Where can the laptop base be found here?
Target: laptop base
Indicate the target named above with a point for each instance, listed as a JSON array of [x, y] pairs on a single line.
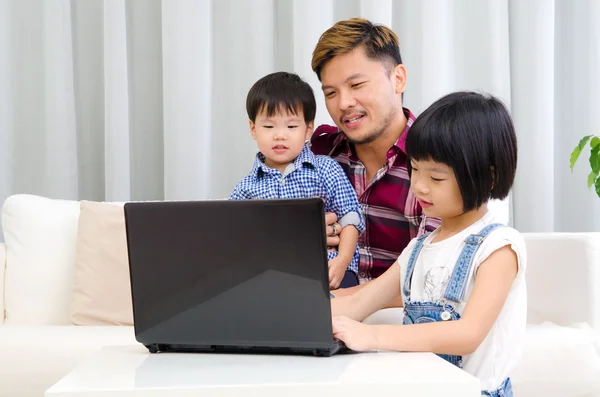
[[337, 347]]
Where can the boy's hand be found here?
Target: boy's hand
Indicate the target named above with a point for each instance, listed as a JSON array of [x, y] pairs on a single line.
[[357, 336], [337, 269]]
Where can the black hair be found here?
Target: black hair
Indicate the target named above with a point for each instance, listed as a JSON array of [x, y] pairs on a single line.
[[474, 135], [281, 91]]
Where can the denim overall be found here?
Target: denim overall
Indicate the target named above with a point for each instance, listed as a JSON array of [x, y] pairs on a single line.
[[426, 312]]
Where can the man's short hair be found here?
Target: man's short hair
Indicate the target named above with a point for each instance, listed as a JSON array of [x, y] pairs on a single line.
[[379, 42], [474, 135], [280, 92]]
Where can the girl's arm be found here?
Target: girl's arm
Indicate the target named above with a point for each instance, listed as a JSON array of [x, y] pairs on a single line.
[[461, 337], [373, 296]]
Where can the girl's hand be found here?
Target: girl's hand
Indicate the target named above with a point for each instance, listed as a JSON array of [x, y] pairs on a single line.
[[357, 336]]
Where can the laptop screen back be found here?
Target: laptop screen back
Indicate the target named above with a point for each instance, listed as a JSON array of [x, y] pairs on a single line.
[[230, 273]]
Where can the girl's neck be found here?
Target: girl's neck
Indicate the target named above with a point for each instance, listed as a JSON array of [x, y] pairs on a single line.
[[454, 225]]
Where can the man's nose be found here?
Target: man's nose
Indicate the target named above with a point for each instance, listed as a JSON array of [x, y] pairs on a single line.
[[346, 100]]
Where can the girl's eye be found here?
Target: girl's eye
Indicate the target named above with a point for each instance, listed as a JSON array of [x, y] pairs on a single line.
[[436, 179], [267, 126], [292, 126]]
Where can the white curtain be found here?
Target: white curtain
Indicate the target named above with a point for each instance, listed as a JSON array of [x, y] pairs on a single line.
[[145, 99]]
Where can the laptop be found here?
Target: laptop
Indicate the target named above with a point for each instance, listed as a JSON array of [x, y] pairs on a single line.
[[230, 276]]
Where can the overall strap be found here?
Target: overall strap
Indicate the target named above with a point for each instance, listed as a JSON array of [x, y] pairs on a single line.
[[455, 290], [411, 263]]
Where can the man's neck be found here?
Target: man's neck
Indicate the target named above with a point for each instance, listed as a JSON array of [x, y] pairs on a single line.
[[375, 153]]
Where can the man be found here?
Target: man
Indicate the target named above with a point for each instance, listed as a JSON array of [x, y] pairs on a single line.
[[363, 79]]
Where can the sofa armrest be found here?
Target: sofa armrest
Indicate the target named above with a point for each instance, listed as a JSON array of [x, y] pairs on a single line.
[[563, 278], [2, 272]]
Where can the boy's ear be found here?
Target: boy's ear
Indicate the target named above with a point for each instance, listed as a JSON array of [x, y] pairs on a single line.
[[252, 129], [310, 127]]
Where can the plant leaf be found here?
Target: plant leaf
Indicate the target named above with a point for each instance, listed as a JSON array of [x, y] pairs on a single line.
[[595, 141], [595, 159], [598, 186], [577, 151], [591, 179]]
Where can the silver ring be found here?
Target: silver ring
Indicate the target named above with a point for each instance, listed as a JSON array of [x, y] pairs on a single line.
[[334, 230]]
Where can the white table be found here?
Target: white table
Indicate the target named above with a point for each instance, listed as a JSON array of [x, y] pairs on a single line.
[[127, 371]]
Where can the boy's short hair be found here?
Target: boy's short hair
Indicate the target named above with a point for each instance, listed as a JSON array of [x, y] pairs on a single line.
[[474, 135], [379, 42], [280, 92]]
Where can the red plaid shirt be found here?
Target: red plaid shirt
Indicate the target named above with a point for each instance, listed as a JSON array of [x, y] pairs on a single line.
[[393, 215]]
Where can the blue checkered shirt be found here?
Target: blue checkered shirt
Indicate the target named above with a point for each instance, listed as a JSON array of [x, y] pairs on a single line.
[[309, 176]]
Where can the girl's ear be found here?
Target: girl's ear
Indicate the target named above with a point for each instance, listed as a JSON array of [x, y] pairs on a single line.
[[252, 129]]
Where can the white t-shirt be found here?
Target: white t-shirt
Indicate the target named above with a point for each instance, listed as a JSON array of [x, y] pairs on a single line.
[[501, 350]]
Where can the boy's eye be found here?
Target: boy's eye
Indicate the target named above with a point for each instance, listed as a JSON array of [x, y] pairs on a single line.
[[267, 126]]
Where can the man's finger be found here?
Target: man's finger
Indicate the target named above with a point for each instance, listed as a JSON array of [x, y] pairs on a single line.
[[330, 218]]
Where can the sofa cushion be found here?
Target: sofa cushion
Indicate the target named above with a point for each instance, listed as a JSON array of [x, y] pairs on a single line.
[[2, 269], [551, 289], [102, 292], [559, 361], [40, 236]]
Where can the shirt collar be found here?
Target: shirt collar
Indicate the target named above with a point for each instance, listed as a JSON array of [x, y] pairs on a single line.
[[305, 158]]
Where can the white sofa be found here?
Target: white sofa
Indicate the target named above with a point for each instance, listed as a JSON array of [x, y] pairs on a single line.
[[38, 344]]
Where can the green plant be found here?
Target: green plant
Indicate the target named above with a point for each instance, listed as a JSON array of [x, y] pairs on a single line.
[[594, 176]]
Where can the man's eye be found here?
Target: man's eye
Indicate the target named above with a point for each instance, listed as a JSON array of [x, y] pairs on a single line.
[[357, 85], [330, 94]]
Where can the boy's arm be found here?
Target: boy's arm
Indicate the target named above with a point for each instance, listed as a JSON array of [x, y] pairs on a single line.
[[341, 196], [346, 249], [348, 241]]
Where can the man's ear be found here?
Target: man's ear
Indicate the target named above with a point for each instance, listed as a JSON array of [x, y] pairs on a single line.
[[399, 76], [252, 129], [310, 128]]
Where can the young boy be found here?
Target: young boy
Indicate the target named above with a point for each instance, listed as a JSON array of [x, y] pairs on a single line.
[[281, 110]]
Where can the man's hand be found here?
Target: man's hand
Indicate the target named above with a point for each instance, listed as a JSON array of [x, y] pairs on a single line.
[[331, 225], [357, 336], [337, 269]]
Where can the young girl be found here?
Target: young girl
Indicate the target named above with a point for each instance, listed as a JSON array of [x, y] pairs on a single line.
[[463, 285]]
